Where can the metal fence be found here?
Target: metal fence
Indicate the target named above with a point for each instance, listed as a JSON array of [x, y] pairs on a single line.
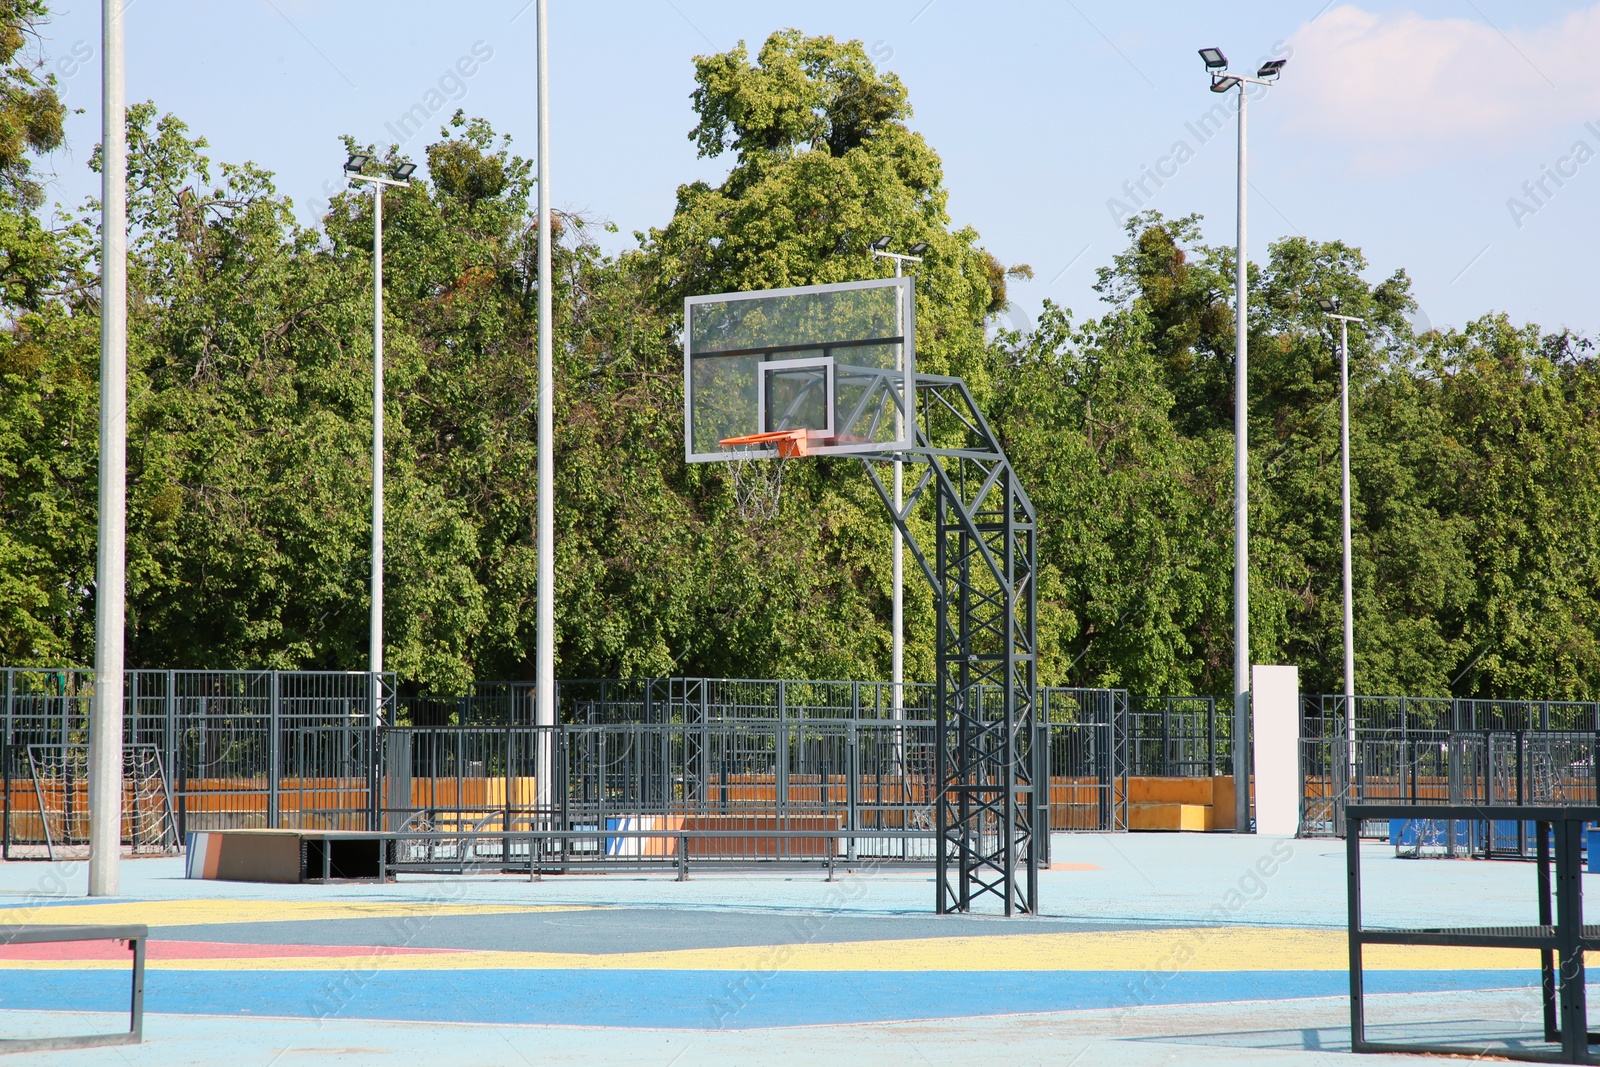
[[1179, 737], [343, 752], [236, 748], [1447, 751], [713, 756]]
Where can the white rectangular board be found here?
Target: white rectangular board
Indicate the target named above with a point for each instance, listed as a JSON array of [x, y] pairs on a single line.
[[1275, 708]]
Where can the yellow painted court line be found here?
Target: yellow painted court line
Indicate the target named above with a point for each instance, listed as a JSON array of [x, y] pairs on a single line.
[[1219, 949], [203, 912]]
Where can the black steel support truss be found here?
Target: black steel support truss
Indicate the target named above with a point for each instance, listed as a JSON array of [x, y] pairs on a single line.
[[982, 573]]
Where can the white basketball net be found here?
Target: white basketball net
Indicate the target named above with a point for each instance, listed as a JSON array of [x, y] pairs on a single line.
[[757, 483]]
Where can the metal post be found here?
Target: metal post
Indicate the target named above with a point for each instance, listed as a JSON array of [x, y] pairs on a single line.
[[375, 622], [105, 729], [274, 753], [1352, 852], [1574, 1021], [1547, 957], [1344, 493], [898, 652], [1241, 510], [545, 656]]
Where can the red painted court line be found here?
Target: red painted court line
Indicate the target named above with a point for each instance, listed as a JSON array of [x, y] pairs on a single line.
[[200, 950]]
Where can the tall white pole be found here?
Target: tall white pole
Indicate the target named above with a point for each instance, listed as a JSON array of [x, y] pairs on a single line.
[[375, 627], [1344, 493], [545, 655], [1241, 511], [897, 663], [105, 724]]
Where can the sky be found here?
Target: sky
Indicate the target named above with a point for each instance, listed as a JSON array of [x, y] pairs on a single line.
[[1459, 141]]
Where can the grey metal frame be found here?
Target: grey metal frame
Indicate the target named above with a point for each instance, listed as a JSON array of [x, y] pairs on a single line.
[[982, 576], [134, 934], [1561, 937]]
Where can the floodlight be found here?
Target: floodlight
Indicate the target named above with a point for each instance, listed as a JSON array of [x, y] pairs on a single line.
[[356, 163], [1214, 58], [881, 244], [1330, 306], [404, 171], [920, 248], [1271, 68], [1223, 84]]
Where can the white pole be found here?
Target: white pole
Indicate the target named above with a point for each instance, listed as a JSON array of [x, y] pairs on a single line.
[[898, 655], [1344, 493], [105, 725], [375, 635], [545, 655], [1241, 512]]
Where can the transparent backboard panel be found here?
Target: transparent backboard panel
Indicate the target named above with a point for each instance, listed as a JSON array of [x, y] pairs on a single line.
[[836, 360]]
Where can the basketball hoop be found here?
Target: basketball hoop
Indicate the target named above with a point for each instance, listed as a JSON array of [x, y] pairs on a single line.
[[757, 468]]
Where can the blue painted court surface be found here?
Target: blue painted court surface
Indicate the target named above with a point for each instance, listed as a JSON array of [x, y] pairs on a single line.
[[1151, 949]]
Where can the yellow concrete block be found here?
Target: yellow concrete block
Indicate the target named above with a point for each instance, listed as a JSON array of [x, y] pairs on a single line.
[[1169, 817]]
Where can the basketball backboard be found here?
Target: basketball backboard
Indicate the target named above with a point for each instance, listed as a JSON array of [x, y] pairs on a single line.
[[834, 360]]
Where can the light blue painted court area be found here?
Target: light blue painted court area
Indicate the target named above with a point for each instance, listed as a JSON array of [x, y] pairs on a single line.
[[1150, 948]]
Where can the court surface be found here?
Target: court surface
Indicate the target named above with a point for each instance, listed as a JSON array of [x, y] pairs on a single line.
[[1152, 948]]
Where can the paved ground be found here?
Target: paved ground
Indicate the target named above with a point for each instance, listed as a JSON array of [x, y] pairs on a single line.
[[1151, 949]]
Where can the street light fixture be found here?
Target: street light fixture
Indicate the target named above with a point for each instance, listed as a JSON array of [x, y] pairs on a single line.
[[897, 657], [1221, 82], [401, 175], [1330, 308]]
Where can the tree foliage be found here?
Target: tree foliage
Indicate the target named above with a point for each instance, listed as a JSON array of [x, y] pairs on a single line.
[[1477, 565]]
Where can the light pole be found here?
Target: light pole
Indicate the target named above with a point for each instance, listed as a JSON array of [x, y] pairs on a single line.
[[1330, 307], [897, 659], [111, 556], [1221, 81], [401, 175], [545, 550]]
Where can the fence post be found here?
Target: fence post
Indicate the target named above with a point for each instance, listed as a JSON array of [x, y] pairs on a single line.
[[273, 755], [181, 774], [780, 761], [1166, 734], [5, 760], [852, 785], [1211, 735], [505, 847]]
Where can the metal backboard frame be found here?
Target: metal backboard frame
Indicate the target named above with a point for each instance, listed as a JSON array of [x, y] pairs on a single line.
[[865, 341]]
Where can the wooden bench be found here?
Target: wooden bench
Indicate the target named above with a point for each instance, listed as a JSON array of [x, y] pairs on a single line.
[[135, 935]]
